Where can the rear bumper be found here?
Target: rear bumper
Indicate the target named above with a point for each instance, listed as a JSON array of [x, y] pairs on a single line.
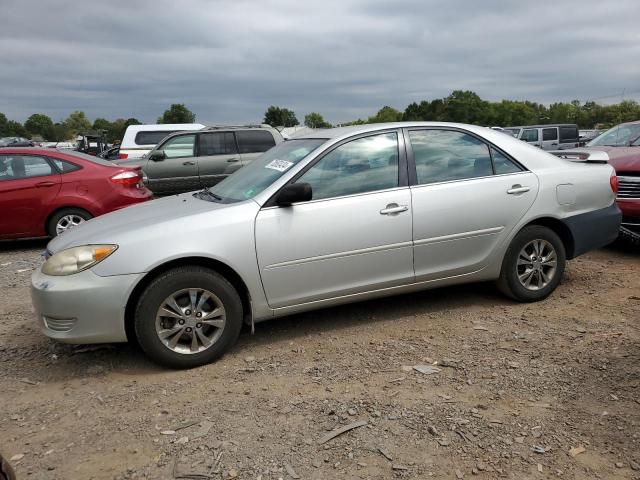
[[595, 229]]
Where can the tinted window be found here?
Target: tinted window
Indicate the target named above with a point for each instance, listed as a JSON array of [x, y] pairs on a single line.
[[569, 134], [151, 138], [363, 165], [219, 143], [443, 155], [65, 167], [550, 133], [23, 166], [529, 135], [503, 164], [180, 146], [253, 141]]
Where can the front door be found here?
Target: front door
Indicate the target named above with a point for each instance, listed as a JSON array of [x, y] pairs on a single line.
[[531, 136], [178, 170], [468, 197], [28, 185], [218, 157], [353, 236]]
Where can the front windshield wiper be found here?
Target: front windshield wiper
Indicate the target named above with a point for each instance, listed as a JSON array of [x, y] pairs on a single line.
[[209, 193]]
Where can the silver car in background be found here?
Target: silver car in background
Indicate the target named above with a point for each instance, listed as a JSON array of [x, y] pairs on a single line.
[[336, 216]]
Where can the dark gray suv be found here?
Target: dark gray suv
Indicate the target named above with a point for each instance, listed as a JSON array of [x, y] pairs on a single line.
[[190, 160]]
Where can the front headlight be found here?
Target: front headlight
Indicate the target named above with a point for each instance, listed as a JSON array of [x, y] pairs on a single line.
[[76, 259]]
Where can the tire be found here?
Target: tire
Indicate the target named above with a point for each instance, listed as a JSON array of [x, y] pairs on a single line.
[[541, 274], [218, 319], [56, 222], [629, 237]]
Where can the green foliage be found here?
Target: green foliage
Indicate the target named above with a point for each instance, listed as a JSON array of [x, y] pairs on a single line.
[[386, 114], [15, 129], [58, 132], [177, 113], [38, 124], [100, 124], [280, 117], [116, 129], [315, 120], [77, 123]]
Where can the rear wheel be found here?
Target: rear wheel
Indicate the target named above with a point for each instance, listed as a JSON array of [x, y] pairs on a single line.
[[533, 265], [65, 219], [188, 316]]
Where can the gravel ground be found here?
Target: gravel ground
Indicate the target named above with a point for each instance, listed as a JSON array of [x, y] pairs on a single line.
[[545, 390]]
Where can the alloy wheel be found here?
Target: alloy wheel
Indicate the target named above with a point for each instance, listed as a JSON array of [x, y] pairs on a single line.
[[190, 320], [536, 266], [67, 222]]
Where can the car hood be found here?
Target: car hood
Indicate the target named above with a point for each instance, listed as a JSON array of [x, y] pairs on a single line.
[[147, 216], [623, 159]]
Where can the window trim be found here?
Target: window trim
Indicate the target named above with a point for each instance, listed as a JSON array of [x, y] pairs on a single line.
[[413, 172], [403, 180], [54, 169]]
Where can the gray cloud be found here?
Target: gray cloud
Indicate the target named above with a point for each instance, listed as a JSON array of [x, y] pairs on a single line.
[[230, 59]]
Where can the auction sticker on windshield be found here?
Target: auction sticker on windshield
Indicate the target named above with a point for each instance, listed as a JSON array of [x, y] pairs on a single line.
[[279, 165]]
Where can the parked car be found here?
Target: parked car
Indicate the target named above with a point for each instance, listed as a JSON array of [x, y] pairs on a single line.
[[44, 191], [138, 140], [333, 217], [622, 144], [548, 137], [186, 161], [16, 142]]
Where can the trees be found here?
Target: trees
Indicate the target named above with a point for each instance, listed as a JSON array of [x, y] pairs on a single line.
[[77, 122], [117, 128], [315, 120], [177, 113], [39, 124], [280, 117], [386, 114]]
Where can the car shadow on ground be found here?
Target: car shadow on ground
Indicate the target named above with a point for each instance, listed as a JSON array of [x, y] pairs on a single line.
[[24, 244]]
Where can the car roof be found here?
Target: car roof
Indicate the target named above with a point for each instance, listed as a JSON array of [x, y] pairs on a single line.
[[331, 133], [545, 126]]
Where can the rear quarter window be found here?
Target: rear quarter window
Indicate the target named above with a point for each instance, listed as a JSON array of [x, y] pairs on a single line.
[[254, 141]]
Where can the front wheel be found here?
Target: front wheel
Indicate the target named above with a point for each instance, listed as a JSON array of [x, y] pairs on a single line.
[[188, 316], [65, 219], [533, 265]]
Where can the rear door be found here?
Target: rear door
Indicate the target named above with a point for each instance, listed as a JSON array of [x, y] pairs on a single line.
[[569, 136], [252, 143], [467, 197], [217, 157], [28, 186], [549, 138], [178, 171]]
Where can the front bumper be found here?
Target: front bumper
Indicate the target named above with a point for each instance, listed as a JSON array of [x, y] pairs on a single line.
[[82, 308], [594, 229]]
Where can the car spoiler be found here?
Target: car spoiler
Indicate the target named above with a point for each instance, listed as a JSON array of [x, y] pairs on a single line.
[[586, 156]]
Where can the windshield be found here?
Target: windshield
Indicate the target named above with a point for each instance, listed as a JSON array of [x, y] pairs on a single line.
[[249, 181], [620, 136], [512, 131]]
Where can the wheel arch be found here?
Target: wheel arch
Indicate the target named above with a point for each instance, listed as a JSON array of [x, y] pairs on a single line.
[[559, 228], [223, 269], [59, 209]]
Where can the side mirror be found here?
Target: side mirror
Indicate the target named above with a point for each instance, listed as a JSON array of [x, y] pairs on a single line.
[[157, 155], [293, 193]]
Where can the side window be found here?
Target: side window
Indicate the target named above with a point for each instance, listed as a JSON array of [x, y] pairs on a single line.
[[254, 141], [180, 146], [503, 164], [363, 165], [23, 166], [529, 135], [64, 166], [445, 155], [550, 133], [151, 138], [569, 134], [218, 143]]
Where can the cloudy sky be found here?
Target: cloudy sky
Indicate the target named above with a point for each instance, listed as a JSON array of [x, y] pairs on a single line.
[[229, 60]]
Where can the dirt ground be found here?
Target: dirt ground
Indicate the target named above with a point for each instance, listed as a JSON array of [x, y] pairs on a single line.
[[518, 387]]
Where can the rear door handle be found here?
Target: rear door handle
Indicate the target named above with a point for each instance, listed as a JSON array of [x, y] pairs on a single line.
[[517, 188], [189, 163], [232, 160], [45, 184], [393, 208]]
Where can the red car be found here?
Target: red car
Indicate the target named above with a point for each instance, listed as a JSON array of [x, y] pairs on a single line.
[[622, 144], [45, 191]]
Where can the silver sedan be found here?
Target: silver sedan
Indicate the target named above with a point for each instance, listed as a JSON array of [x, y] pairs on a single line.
[[333, 217]]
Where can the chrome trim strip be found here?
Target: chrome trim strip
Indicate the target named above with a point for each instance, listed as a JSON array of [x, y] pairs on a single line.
[[457, 236]]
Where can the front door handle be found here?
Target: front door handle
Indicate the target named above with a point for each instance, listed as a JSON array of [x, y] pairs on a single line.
[[517, 189], [393, 208], [45, 184], [189, 163], [232, 160]]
